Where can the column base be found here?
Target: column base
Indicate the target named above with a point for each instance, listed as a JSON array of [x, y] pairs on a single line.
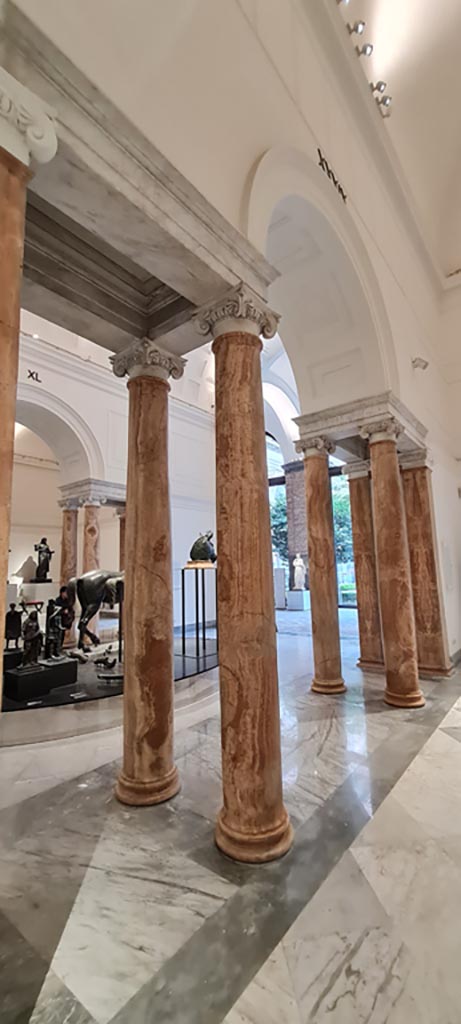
[[405, 700], [371, 666], [137, 793], [328, 685], [436, 673], [251, 847]]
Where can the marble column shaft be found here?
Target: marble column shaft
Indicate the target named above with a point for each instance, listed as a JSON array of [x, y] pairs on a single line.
[[322, 573], [429, 614], [148, 775], [69, 545], [253, 824], [394, 575], [371, 648], [122, 532], [14, 176], [91, 537]]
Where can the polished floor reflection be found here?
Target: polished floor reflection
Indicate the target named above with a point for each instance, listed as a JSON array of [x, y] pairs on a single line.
[[121, 916]]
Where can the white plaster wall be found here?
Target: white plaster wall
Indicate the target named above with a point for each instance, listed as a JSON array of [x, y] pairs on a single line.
[[447, 506]]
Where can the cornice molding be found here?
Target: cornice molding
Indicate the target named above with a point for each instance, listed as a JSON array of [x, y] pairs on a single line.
[[27, 128], [146, 359], [215, 253], [345, 421], [240, 309], [93, 492]]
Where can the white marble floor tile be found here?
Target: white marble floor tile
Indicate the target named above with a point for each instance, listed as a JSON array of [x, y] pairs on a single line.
[[137, 905], [429, 790], [269, 998]]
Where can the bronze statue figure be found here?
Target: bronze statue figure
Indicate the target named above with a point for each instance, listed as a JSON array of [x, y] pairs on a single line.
[[203, 549], [54, 635], [13, 626], [93, 589], [45, 555], [33, 639]]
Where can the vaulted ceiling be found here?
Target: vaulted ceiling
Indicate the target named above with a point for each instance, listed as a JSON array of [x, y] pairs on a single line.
[[417, 51]]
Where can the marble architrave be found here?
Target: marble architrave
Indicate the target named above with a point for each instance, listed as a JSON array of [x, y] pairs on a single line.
[[253, 824], [148, 775], [393, 566], [322, 568], [26, 132], [431, 637]]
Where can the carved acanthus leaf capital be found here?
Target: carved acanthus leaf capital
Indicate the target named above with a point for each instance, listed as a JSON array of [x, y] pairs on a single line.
[[27, 128], [242, 305], [146, 359], [387, 429], [315, 445]]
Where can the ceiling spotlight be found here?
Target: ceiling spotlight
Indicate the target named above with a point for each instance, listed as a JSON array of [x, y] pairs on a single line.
[[378, 86], [365, 51], [358, 27], [345, 2], [384, 101], [35, 337]]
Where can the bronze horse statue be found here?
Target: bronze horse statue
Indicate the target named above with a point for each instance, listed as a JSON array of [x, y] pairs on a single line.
[[93, 589]]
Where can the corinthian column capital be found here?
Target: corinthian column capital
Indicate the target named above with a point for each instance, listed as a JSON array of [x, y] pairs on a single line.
[[239, 310], [315, 446], [27, 128], [146, 359], [387, 429]]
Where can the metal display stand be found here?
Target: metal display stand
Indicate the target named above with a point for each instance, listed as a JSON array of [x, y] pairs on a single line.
[[199, 569]]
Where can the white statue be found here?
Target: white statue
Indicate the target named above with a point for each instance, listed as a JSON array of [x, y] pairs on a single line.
[[299, 573]]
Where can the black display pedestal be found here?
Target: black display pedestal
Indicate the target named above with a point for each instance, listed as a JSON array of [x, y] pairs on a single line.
[[20, 685], [200, 626], [12, 658]]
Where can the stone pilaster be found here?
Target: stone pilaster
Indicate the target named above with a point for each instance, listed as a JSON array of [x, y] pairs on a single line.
[[26, 131], [148, 775], [322, 567], [296, 514], [253, 824], [393, 566], [363, 539], [433, 659]]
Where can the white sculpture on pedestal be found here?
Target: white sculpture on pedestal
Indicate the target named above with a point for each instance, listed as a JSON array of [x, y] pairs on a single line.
[[299, 573]]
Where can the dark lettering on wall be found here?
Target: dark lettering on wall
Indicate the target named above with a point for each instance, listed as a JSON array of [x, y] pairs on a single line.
[[33, 375], [323, 163]]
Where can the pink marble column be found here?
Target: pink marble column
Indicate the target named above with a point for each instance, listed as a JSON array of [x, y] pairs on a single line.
[[431, 639], [253, 824], [322, 568], [26, 131], [393, 565], [363, 539], [149, 774], [69, 536]]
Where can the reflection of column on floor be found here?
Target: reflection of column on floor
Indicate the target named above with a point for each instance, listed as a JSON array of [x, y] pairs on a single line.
[[91, 546], [296, 515], [69, 555], [371, 648], [27, 133], [148, 775], [253, 824], [393, 566], [322, 567], [431, 638]]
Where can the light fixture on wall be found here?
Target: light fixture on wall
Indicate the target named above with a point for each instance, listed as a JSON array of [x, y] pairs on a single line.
[[345, 2], [384, 104], [364, 51], [358, 27], [378, 86]]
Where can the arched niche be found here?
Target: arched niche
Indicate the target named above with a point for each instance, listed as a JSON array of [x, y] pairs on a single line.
[[64, 431], [334, 323]]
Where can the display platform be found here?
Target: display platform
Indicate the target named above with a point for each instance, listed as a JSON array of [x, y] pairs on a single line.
[[91, 682]]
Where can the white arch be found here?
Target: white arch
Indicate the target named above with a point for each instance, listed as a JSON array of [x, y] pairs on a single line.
[[286, 171], [63, 430]]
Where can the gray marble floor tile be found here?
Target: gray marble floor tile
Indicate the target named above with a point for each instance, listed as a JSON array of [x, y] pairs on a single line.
[[22, 972]]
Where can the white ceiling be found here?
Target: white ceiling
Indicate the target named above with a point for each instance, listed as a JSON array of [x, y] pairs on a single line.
[[417, 50]]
